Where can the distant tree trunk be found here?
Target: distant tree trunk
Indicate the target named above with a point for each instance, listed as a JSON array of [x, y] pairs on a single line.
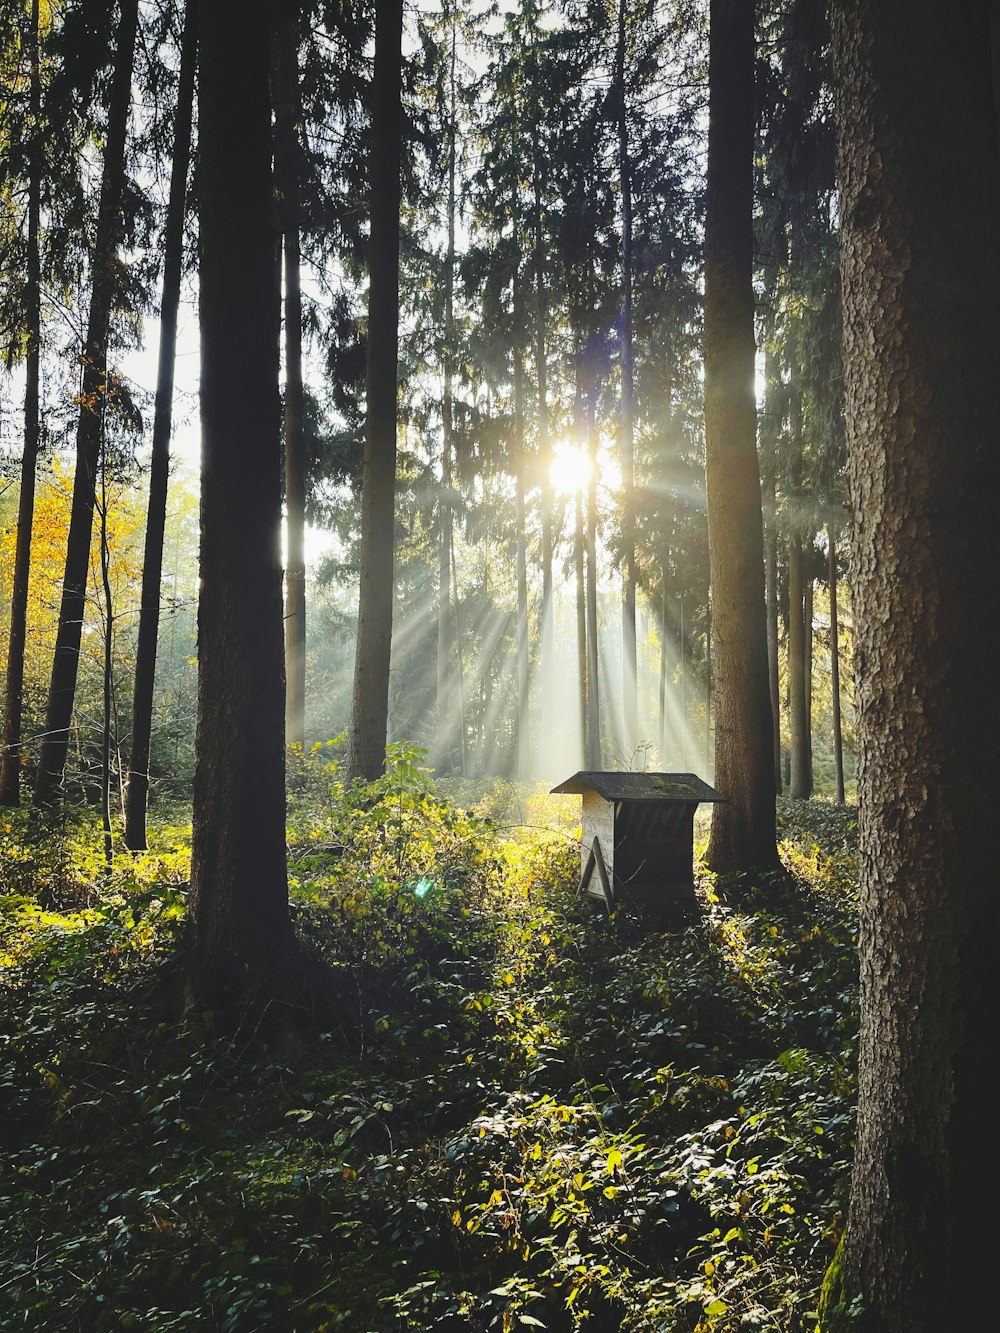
[[629, 654], [108, 677], [66, 659], [522, 561], [838, 731], [445, 728], [287, 168], [807, 633], [770, 426], [460, 672], [240, 932], [594, 757], [547, 673], [798, 727], [920, 215], [370, 707], [159, 466], [685, 661], [10, 754], [666, 747], [743, 830], [579, 544]]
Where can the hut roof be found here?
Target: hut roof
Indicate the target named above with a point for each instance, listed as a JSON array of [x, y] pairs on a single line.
[[641, 786]]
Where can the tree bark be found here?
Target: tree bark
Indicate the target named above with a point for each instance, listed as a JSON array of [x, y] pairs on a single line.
[[288, 171], [94, 388], [743, 829], [920, 213], [370, 708], [240, 932], [159, 466], [10, 754]]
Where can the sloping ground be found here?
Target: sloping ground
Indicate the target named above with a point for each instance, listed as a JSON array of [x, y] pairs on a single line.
[[509, 1112]]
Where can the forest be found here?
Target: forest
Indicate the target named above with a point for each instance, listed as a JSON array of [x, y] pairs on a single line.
[[438, 441]]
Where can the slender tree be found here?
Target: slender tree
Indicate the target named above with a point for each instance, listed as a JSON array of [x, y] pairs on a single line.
[[629, 654], [159, 465], [93, 392], [370, 707], [10, 755], [287, 167], [240, 931], [743, 829], [919, 185]]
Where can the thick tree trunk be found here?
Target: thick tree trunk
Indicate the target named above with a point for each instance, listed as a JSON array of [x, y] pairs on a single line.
[[94, 387], [10, 754], [838, 731], [808, 646], [743, 829], [370, 707], [159, 466], [630, 695], [920, 212], [240, 931], [287, 168]]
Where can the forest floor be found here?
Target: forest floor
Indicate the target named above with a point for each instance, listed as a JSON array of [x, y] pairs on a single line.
[[519, 1112]]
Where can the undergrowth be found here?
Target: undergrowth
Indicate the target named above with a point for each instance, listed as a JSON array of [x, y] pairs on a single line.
[[521, 1113]]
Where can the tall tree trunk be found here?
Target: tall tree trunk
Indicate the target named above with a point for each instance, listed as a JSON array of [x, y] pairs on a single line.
[[287, 168], [94, 386], [159, 466], [920, 213], [630, 694], [522, 561], [445, 727], [743, 829], [579, 545], [838, 731], [593, 647], [770, 428], [240, 931], [10, 754], [108, 676], [370, 706], [547, 672]]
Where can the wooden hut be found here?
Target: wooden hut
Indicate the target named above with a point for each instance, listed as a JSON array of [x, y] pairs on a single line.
[[638, 837]]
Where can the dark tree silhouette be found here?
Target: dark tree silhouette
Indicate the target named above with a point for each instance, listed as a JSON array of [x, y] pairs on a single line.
[[240, 931], [370, 707], [743, 829]]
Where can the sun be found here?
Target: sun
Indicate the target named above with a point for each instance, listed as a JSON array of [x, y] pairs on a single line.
[[569, 470]]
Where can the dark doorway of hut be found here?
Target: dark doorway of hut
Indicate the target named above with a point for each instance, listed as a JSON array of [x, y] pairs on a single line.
[[638, 841]]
